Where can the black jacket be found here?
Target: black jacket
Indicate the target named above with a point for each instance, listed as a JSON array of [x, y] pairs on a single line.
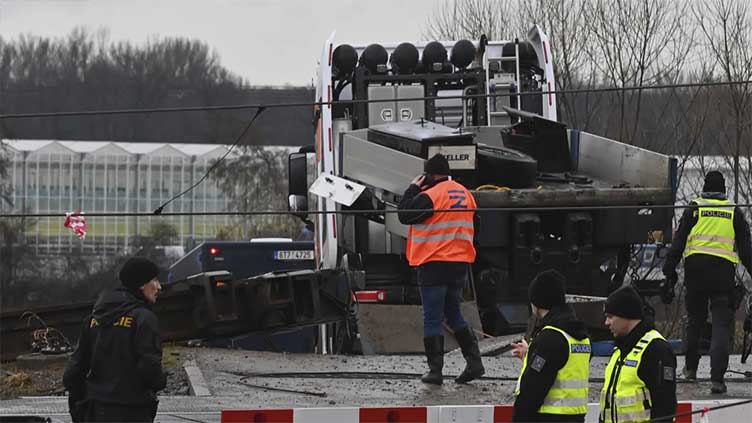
[[657, 369], [432, 273], [119, 355], [719, 271], [549, 346]]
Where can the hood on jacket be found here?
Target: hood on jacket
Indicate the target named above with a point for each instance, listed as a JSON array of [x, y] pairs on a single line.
[[714, 195], [113, 304], [564, 318]]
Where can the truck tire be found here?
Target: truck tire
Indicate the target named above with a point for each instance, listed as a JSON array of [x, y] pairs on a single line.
[[504, 167]]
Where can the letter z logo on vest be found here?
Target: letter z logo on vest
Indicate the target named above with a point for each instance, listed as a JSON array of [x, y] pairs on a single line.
[[458, 199]]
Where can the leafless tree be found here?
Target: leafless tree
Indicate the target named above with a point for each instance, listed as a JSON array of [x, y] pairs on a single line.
[[457, 19], [636, 43], [254, 180], [726, 26]]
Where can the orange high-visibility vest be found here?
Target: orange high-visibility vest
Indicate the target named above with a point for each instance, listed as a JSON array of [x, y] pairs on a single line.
[[445, 236]]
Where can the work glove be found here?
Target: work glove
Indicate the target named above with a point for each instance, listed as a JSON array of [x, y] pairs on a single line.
[[667, 288]]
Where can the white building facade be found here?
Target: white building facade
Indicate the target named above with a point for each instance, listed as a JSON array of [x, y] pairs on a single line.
[[49, 176]]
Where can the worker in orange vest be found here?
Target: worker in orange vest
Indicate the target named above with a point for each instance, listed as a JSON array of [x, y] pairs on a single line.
[[440, 247]]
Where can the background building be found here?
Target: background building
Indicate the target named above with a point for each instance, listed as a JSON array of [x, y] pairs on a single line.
[[55, 177]]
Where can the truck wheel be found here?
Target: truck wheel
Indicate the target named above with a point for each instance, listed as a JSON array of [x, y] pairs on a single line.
[[504, 167]]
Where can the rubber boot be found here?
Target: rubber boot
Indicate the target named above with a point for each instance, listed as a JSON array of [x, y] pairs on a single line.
[[434, 346], [469, 345], [690, 375], [718, 387]]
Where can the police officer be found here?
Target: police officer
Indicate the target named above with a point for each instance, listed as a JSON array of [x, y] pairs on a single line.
[[117, 367], [640, 379], [553, 383], [713, 237], [440, 246]]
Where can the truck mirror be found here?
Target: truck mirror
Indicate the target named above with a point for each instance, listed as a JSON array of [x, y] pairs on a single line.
[[298, 174], [297, 203], [297, 182]]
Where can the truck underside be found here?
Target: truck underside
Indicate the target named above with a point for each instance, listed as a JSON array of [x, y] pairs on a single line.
[[581, 222]]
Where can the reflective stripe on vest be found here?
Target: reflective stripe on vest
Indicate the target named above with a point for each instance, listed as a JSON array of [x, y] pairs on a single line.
[[625, 397], [445, 236], [569, 393], [713, 234], [444, 225]]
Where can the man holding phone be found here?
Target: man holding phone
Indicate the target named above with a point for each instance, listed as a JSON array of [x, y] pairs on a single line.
[[440, 247]]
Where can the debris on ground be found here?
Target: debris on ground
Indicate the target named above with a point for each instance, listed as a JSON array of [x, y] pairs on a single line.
[[17, 382], [172, 363]]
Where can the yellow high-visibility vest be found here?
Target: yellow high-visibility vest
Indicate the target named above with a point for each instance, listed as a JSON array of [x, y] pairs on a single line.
[[713, 233], [569, 393], [625, 397]]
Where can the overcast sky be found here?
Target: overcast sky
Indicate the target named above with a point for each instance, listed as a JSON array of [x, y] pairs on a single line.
[[267, 42]]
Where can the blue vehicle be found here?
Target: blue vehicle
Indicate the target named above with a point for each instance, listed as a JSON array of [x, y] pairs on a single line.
[[243, 259], [261, 294]]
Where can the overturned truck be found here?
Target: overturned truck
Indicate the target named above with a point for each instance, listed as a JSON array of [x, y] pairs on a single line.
[[548, 196]]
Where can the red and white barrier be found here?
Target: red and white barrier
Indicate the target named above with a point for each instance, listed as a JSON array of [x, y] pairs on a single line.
[[455, 413], [431, 414]]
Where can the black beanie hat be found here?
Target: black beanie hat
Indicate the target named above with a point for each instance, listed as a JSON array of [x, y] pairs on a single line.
[[625, 302], [714, 182], [547, 289], [437, 165], [137, 271]]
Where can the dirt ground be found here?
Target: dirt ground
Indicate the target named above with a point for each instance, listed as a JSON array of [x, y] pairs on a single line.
[[16, 382]]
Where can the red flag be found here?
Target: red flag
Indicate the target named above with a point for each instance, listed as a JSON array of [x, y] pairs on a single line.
[[76, 222]]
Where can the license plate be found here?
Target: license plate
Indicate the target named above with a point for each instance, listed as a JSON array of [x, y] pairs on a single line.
[[293, 255]]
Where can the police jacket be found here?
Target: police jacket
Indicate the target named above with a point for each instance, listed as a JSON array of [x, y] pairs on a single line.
[[547, 354], [434, 272], [719, 270], [656, 368], [119, 354]]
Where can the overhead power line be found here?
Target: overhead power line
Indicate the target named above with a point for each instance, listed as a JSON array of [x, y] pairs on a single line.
[[260, 110], [367, 212], [345, 102]]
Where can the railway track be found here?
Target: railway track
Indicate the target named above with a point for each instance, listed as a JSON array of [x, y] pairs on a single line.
[[207, 307]]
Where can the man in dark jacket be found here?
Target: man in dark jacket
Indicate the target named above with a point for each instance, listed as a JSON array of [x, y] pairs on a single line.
[[117, 367], [713, 237], [440, 247], [640, 379], [553, 384]]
